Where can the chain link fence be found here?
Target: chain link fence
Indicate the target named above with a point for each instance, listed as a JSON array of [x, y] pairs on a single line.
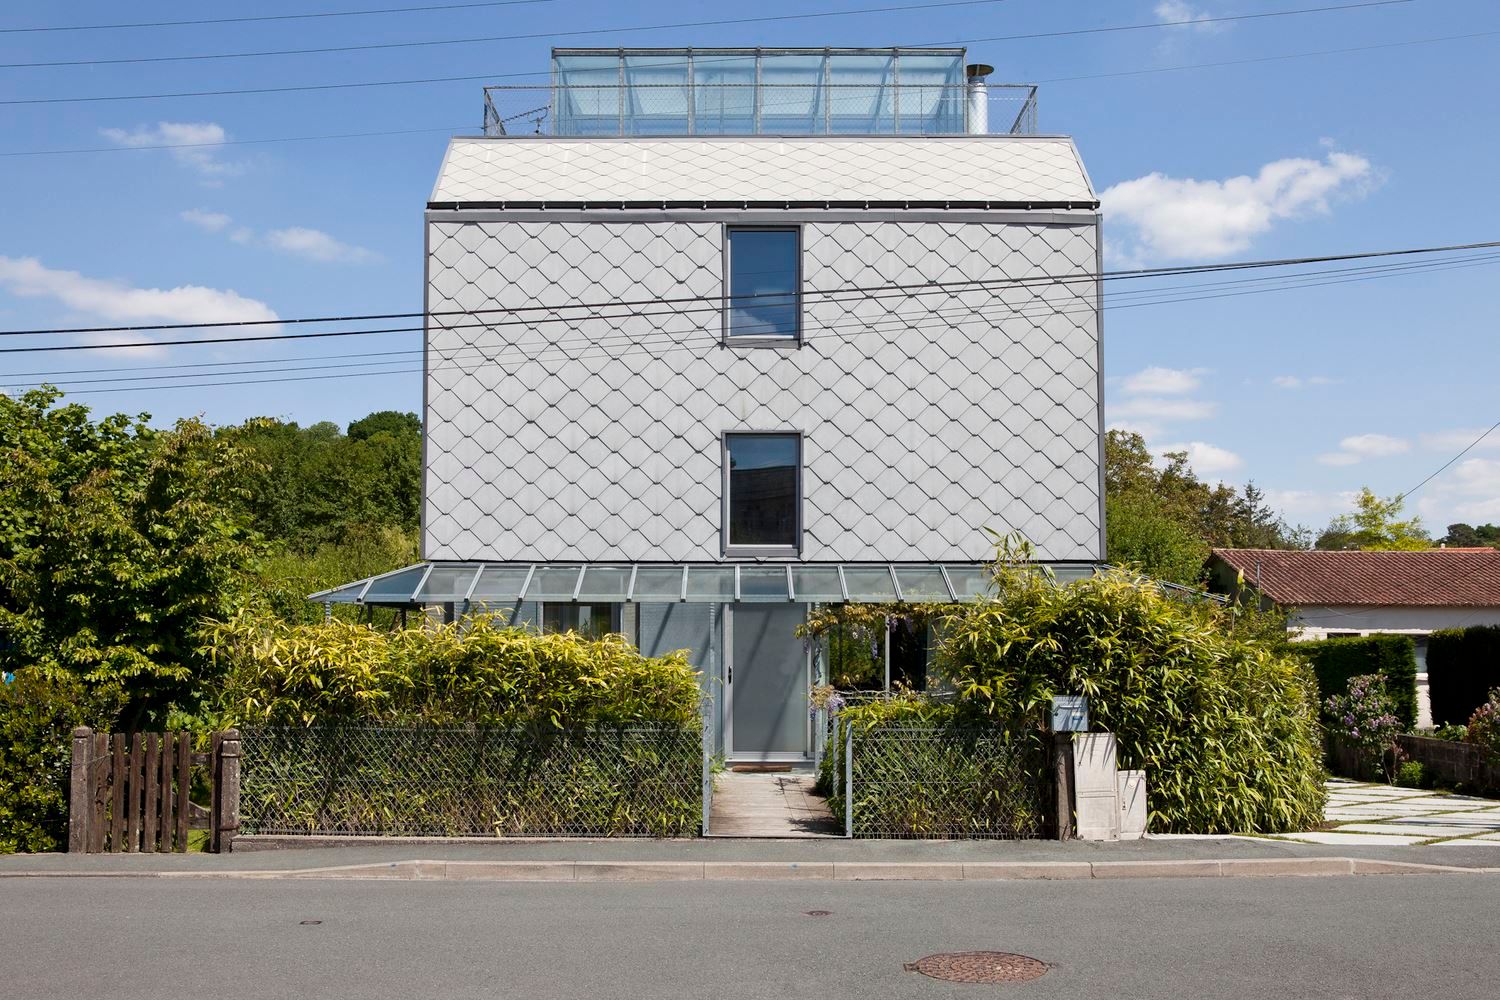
[[919, 781], [629, 781]]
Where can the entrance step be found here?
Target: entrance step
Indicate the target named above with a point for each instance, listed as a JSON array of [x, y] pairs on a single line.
[[761, 804]]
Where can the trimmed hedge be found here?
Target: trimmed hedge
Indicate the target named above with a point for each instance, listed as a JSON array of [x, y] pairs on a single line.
[[1334, 661], [1463, 666]]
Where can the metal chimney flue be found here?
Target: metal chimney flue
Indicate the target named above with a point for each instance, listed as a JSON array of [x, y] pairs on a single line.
[[978, 117]]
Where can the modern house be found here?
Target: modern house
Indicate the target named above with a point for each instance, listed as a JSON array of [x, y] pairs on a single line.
[[717, 335]]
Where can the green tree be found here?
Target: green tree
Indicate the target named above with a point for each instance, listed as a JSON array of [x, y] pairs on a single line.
[[1161, 546], [116, 541], [393, 422], [1375, 523], [1466, 536]]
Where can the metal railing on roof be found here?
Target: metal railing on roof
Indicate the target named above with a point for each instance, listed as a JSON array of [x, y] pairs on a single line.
[[630, 110]]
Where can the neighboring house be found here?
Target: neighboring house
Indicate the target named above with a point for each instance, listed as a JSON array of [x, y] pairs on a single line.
[[747, 331]]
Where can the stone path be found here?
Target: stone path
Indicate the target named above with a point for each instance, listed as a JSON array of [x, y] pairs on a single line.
[[769, 805], [1360, 813]]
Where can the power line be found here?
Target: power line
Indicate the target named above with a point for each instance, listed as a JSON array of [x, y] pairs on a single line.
[[927, 287], [271, 17], [495, 76], [594, 346], [486, 39], [1467, 448]]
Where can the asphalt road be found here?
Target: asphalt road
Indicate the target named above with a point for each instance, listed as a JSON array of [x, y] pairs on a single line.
[[1364, 937]]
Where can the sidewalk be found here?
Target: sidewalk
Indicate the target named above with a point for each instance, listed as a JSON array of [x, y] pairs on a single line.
[[1361, 813]]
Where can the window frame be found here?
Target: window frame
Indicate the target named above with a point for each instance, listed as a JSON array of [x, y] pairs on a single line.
[[732, 550], [728, 338]]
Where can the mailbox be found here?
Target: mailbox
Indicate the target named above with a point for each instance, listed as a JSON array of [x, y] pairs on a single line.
[[1070, 714]]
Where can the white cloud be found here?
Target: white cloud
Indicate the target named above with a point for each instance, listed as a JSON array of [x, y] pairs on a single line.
[[1160, 408], [1301, 381], [1176, 11], [1469, 492], [1185, 218], [197, 145], [1458, 440], [314, 244], [1165, 381], [116, 301], [1206, 459], [209, 221], [1359, 447], [1145, 428]]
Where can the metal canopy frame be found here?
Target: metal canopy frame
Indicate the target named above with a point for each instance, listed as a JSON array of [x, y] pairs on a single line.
[[716, 583]]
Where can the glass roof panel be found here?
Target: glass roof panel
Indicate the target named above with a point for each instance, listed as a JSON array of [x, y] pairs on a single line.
[[447, 582], [658, 583], [500, 584], [605, 583], [970, 582], [553, 583], [817, 583], [869, 584], [710, 583], [1068, 572], [763, 583], [922, 584], [396, 588]]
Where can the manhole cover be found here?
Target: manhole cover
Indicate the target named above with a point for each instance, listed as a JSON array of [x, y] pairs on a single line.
[[978, 967]]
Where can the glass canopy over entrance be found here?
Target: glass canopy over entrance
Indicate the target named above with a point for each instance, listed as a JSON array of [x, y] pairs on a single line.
[[480, 583]]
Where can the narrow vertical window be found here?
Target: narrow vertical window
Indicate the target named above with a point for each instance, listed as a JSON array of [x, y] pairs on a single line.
[[764, 495], [764, 275]]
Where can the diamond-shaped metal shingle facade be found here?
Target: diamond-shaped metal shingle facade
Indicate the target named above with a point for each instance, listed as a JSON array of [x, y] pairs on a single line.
[[926, 418], [1004, 169]]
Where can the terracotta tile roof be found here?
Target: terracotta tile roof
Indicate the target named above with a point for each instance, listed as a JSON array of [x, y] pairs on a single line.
[[1431, 577]]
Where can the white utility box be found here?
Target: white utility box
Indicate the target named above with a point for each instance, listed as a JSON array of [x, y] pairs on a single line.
[[1132, 804], [1096, 786]]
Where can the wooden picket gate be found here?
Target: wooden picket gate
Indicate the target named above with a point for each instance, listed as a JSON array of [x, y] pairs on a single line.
[[132, 792]]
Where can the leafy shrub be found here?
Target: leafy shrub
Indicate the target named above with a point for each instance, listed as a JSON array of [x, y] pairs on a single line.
[[1463, 665], [37, 718], [1484, 727], [1336, 661], [1411, 774], [1226, 728], [1364, 716], [477, 671], [1452, 732]]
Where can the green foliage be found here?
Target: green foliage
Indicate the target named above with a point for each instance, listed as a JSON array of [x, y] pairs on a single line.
[[1226, 728], [1364, 718], [477, 671], [1463, 665], [1467, 536], [37, 716], [1375, 524], [1484, 727], [1143, 535], [115, 540], [314, 486], [284, 578], [1337, 661], [1411, 774]]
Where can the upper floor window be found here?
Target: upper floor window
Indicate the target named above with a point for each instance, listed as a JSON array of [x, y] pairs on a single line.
[[763, 493], [763, 275]]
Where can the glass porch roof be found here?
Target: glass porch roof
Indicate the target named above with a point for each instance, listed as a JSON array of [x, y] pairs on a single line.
[[652, 583]]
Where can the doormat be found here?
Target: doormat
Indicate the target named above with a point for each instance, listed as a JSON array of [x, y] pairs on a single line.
[[760, 768]]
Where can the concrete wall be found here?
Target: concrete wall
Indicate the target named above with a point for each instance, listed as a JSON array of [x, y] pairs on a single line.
[[1315, 622], [925, 418]]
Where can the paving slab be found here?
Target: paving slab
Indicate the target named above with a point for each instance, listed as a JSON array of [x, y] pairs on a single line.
[[1333, 837]]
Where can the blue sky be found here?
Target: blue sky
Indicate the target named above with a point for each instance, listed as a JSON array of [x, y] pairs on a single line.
[[1310, 392]]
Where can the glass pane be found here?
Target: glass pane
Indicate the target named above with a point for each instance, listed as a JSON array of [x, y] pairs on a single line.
[[656, 583], [656, 98], [724, 95], [592, 621], [970, 582], [869, 584], [861, 97], [763, 489], [587, 99], [931, 96], [500, 584], [763, 583], [447, 582], [711, 583], [763, 278], [396, 588], [791, 94], [817, 583], [553, 583], [605, 583], [1067, 573], [922, 583]]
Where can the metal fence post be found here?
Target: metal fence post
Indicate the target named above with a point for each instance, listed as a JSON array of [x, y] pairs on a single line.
[[849, 780], [707, 791], [78, 791]]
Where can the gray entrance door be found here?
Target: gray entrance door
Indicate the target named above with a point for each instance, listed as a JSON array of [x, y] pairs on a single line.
[[768, 717]]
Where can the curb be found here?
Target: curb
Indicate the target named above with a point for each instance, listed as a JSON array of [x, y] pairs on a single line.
[[771, 871]]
